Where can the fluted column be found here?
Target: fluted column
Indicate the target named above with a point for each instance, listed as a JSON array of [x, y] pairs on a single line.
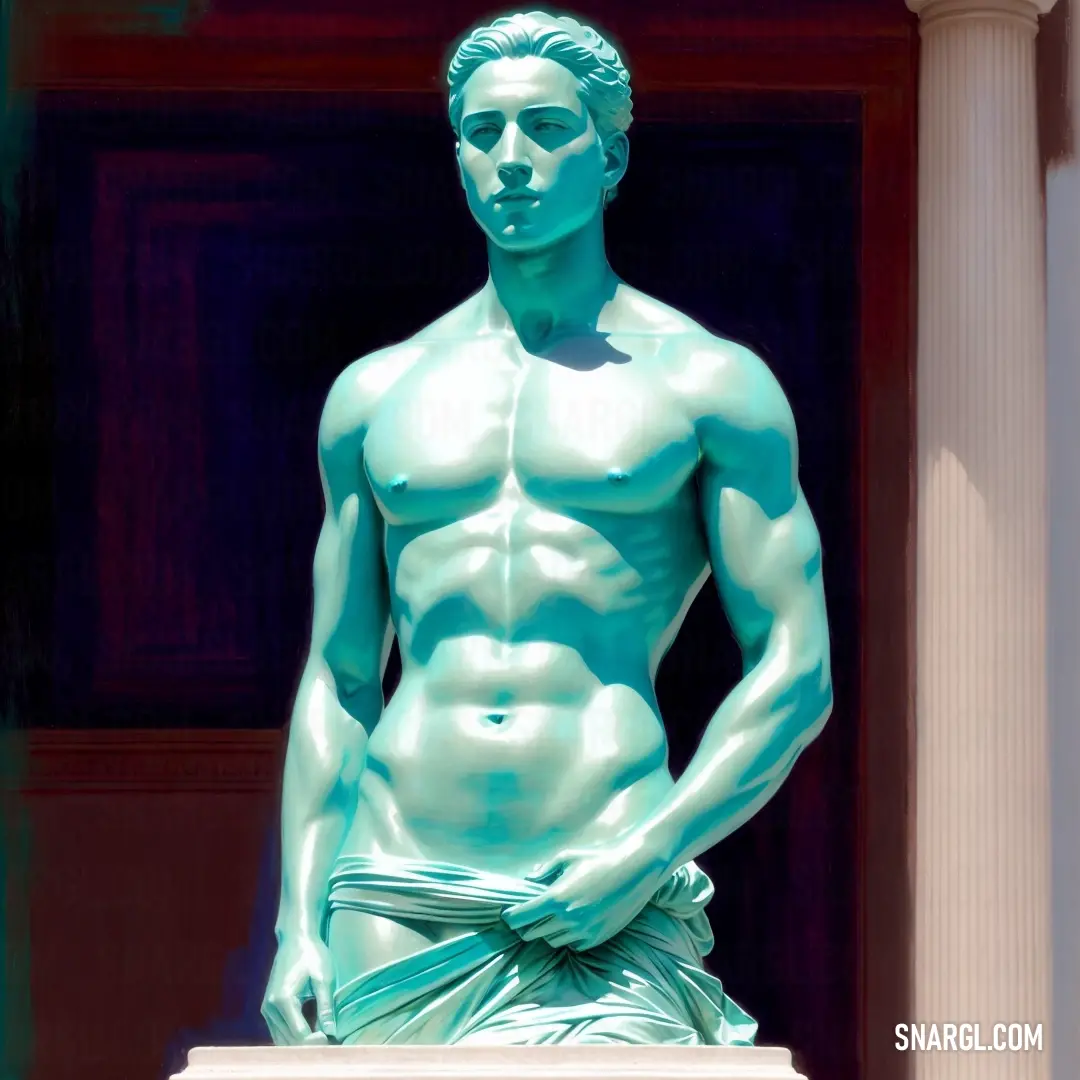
[[981, 859]]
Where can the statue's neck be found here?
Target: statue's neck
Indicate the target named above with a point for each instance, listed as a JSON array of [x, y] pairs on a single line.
[[545, 294]]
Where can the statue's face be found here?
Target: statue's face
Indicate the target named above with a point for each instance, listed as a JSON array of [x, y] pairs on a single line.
[[533, 167]]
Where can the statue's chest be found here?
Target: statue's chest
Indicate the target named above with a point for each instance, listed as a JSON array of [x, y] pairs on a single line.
[[455, 432]]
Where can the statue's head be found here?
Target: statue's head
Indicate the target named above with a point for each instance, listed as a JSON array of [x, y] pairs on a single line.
[[540, 106]]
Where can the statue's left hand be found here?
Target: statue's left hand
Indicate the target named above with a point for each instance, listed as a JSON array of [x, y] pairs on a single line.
[[303, 970], [594, 893]]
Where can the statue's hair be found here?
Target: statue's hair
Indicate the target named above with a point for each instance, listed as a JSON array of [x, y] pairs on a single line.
[[603, 80]]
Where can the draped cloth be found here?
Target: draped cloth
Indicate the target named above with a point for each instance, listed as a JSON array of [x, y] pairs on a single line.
[[485, 985]]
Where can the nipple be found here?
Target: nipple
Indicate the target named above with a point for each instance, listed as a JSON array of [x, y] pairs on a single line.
[[618, 476], [399, 483]]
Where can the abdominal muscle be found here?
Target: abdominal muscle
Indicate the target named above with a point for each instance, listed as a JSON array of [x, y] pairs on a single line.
[[497, 780], [501, 776]]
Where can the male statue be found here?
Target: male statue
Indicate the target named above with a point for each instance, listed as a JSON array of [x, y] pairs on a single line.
[[529, 493]]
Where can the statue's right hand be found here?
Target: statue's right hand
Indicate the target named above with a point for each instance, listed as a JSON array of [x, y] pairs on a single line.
[[303, 970]]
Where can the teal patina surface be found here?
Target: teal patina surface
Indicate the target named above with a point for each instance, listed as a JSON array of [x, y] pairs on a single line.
[[529, 493]]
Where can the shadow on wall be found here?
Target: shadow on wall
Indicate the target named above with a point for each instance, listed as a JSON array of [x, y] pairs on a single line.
[[1059, 92], [1056, 135]]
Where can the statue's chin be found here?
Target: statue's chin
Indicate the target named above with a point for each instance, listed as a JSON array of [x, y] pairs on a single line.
[[520, 237], [512, 239]]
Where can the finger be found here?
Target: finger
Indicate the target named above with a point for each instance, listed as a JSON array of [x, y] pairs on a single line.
[[543, 929], [316, 1038], [279, 1032], [324, 1005], [288, 1014], [529, 911], [276, 1033], [549, 871]]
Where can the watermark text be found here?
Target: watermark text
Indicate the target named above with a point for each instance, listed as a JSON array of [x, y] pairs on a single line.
[[999, 1038]]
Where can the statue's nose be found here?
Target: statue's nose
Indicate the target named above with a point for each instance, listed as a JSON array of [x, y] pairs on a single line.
[[514, 174]]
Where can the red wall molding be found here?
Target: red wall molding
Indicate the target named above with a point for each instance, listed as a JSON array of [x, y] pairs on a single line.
[[848, 45], [162, 762]]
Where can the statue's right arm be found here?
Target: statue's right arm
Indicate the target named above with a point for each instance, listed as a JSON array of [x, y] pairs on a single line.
[[338, 702]]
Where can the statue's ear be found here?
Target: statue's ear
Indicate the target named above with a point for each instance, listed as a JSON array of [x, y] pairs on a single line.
[[457, 161], [616, 158]]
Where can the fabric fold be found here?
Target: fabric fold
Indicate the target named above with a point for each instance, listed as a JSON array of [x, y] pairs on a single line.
[[486, 985]]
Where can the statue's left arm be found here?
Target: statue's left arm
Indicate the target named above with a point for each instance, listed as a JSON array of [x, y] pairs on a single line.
[[766, 560]]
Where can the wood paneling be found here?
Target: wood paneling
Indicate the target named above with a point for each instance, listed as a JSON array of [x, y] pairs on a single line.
[[886, 499], [164, 632]]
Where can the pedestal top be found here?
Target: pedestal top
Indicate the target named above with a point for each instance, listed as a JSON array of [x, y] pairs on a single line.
[[489, 1063]]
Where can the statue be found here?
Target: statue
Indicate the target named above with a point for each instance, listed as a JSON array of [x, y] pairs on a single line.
[[530, 492]]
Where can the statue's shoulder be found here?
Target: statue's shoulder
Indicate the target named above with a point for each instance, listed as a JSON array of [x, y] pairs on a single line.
[[637, 312], [718, 379], [708, 367], [357, 391], [712, 375]]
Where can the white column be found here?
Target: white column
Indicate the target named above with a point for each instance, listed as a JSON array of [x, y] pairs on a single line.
[[980, 793]]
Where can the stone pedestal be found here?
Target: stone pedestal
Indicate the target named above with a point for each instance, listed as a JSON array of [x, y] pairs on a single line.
[[489, 1063]]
